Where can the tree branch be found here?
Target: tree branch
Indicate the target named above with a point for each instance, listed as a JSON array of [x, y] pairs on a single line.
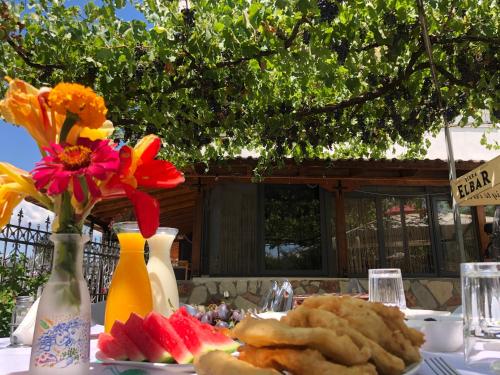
[[224, 64], [295, 31], [367, 96], [26, 59], [465, 38], [287, 44]]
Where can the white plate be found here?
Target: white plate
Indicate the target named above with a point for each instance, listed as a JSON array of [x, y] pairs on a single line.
[[169, 367], [421, 314], [412, 369], [271, 315]]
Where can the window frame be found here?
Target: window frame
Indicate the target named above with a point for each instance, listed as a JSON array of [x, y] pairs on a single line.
[[377, 193], [325, 262]]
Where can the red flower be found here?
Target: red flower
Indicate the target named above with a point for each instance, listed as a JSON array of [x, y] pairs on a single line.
[[67, 165], [139, 168]]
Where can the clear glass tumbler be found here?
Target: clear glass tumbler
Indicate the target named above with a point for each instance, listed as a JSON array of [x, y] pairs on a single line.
[[386, 285], [481, 308]]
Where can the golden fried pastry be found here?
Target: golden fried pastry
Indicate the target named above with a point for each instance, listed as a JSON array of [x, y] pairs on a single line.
[[362, 317], [394, 318], [300, 362], [269, 332], [221, 363], [303, 316]]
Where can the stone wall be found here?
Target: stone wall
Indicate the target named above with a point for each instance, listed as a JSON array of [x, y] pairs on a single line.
[[432, 293]]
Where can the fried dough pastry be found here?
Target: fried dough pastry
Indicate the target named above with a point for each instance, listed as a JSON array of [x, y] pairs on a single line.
[[394, 318], [386, 363], [221, 363], [269, 332], [362, 317], [300, 362]]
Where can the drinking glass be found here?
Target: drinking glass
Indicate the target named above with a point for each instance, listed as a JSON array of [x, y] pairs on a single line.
[[386, 285], [481, 307]]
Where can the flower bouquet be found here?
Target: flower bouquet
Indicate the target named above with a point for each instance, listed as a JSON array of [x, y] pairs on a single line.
[[80, 166]]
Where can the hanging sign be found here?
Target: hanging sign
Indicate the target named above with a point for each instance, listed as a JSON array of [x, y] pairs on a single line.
[[479, 187]]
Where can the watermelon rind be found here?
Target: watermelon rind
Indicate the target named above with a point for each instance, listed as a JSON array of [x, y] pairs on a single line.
[[217, 340], [160, 329], [206, 338], [154, 352], [133, 352], [110, 347], [190, 334]]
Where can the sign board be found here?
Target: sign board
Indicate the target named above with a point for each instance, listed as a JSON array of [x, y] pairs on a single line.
[[479, 187]]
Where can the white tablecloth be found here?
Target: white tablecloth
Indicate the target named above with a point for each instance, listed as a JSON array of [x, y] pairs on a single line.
[[15, 361]]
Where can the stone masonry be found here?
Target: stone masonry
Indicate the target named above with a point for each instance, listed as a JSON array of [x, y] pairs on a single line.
[[434, 294]]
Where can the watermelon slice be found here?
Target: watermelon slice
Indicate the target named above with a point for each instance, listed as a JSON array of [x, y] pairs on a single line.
[[160, 329], [190, 334], [211, 335], [133, 352], [111, 347], [134, 329], [218, 340]]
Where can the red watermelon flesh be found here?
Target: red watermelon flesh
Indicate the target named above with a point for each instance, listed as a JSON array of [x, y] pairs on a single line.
[[218, 340], [133, 352], [211, 335], [134, 328], [111, 347], [190, 334], [160, 329]]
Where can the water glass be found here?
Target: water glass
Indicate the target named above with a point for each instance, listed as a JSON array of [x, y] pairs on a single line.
[[386, 285], [23, 304], [481, 308]]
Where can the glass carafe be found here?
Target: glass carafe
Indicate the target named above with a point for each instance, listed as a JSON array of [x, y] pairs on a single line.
[[130, 289], [161, 272]]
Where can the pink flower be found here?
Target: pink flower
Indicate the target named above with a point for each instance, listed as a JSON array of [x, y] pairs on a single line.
[[73, 165]]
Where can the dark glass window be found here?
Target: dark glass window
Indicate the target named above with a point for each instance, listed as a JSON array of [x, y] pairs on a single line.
[[292, 228]]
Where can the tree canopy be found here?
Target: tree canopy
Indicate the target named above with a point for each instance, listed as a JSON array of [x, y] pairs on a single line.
[[286, 78]]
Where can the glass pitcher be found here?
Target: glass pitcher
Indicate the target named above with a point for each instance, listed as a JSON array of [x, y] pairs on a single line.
[[130, 289]]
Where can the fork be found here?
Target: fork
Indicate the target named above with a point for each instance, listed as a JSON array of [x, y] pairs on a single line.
[[439, 366]]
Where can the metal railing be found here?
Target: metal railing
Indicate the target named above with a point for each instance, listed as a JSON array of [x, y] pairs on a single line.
[[30, 244]]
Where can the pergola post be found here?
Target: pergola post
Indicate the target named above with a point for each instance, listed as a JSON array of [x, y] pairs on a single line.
[[449, 145]]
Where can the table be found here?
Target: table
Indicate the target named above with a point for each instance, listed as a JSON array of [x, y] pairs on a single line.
[[15, 361]]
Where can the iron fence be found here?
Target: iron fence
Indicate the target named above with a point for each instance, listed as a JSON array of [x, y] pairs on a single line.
[[30, 244]]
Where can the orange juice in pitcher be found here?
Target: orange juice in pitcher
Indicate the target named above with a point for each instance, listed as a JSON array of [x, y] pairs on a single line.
[[130, 289]]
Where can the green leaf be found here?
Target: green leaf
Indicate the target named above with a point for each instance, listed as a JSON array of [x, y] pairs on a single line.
[[218, 26], [253, 11]]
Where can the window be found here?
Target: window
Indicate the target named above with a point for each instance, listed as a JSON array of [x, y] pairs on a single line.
[[407, 238], [361, 234], [292, 228], [448, 247]]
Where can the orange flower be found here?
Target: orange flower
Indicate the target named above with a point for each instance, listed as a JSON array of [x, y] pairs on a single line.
[[80, 100], [24, 105]]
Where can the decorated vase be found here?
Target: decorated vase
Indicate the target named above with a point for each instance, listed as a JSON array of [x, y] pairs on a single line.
[[61, 342]]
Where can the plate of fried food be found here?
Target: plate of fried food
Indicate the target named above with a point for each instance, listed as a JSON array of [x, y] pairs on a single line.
[[325, 335]]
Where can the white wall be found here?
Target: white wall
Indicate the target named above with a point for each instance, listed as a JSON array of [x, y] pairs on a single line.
[[466, 144]]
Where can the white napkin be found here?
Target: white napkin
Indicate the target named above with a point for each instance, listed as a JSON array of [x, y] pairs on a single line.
[[25, 331]]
